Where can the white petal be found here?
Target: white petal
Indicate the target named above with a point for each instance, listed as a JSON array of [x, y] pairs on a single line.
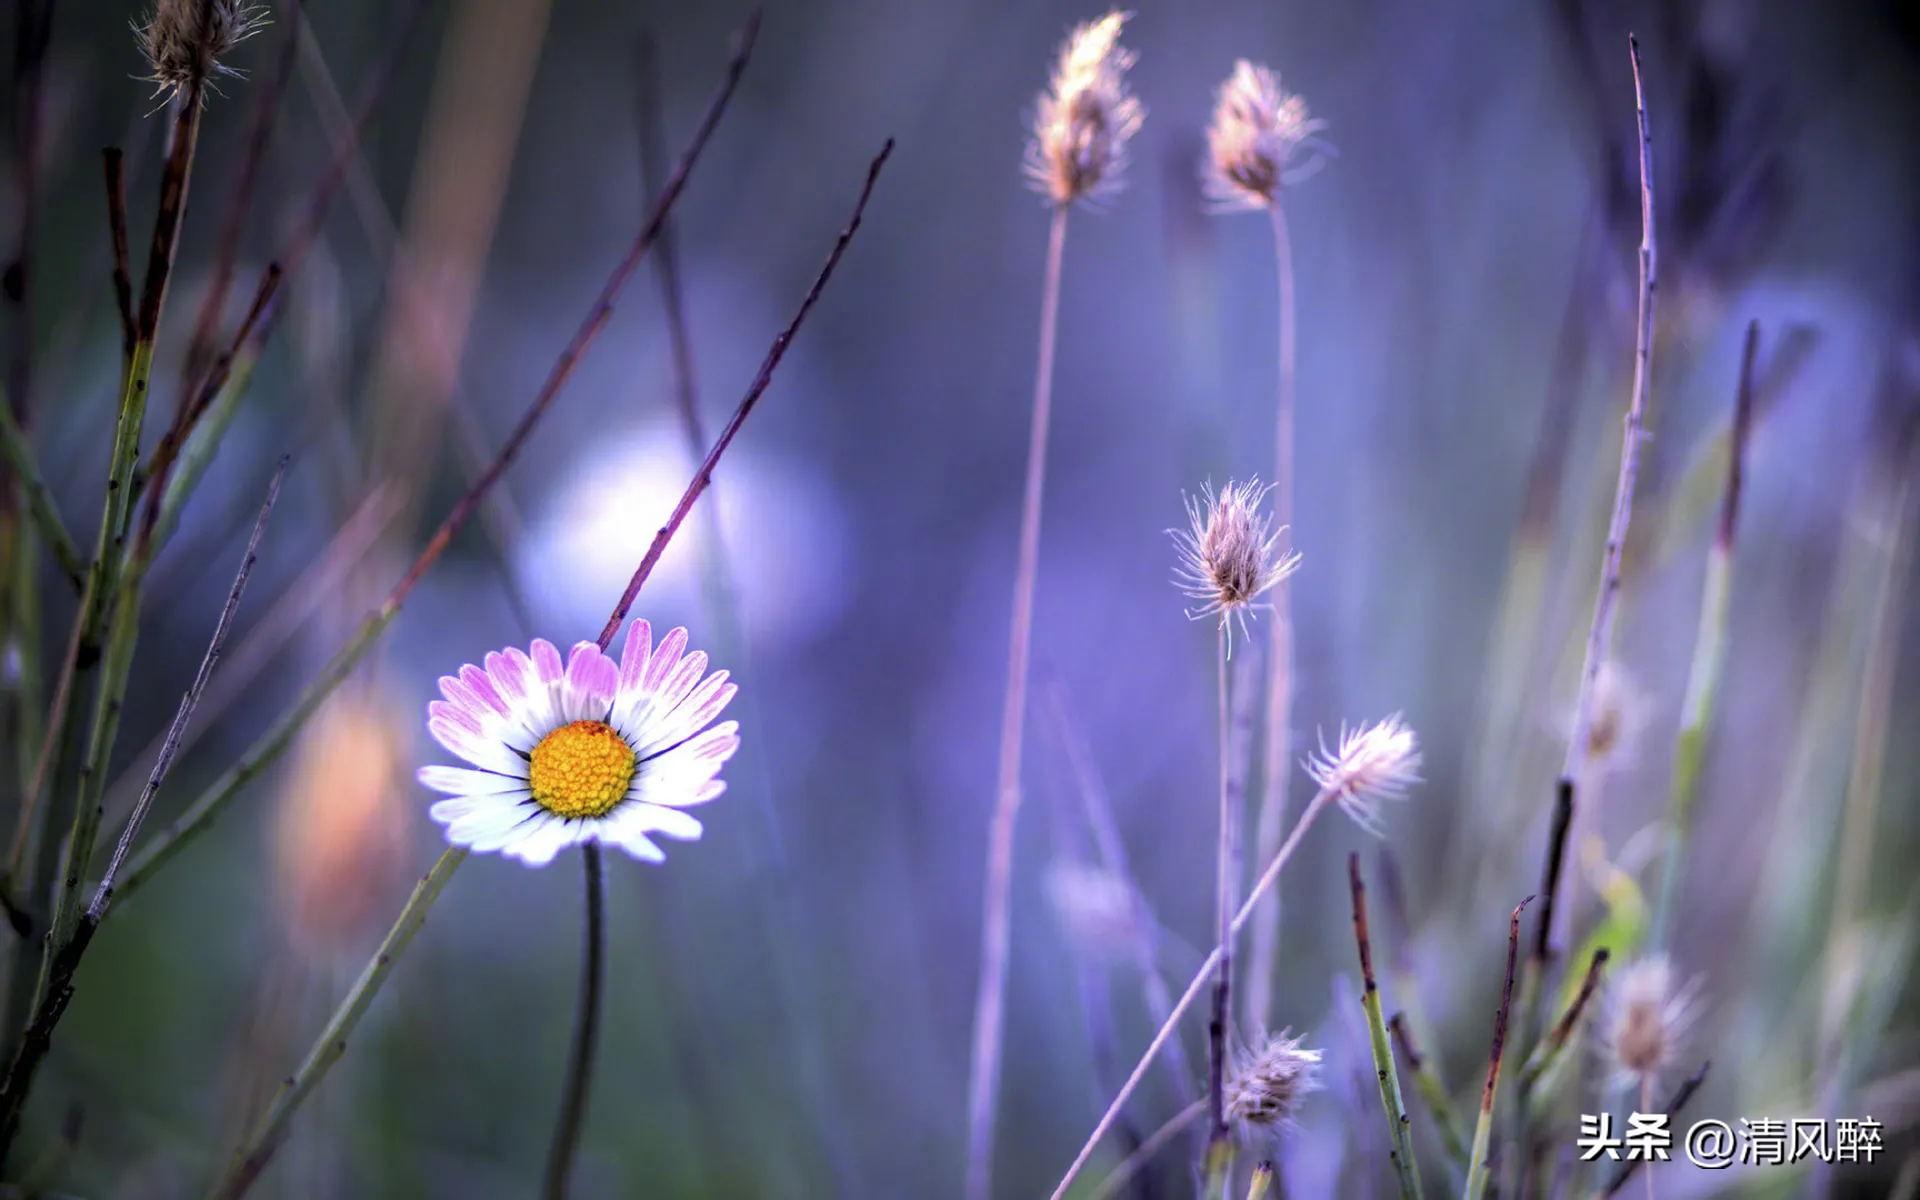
[[460, 781], [633, 840], [465, 809], [538, 845], [668, 822]]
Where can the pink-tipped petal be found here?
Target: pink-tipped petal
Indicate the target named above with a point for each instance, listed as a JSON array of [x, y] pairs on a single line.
[[481, 685], [665, 657], [510, 672], [633, 658]]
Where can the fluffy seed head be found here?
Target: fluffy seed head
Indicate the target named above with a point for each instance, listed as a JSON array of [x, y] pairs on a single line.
[[1370, 765], [184, 40], [1083, 121], [1268, 1081], [1648, 1018], [1261, 137], [1229, 554]]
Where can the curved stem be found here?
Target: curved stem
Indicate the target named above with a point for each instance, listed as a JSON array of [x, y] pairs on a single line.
[[989, 1008], [586, 1031]]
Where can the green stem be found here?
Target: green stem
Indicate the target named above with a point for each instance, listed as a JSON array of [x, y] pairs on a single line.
[[271, 1129], [1392, 1102]]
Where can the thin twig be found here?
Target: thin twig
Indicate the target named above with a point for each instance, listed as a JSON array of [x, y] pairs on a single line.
[[103, 892], [586, 1032], [1483, 1127], [761, 381], [990, 997], [113, 166]]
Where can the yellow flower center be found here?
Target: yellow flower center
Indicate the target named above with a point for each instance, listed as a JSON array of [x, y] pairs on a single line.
[[581, 770]]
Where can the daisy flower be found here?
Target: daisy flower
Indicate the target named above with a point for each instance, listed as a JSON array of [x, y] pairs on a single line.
[[585, 750]]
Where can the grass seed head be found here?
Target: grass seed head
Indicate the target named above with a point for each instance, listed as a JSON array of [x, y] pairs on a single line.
[[1261, 138], [1084, 120]]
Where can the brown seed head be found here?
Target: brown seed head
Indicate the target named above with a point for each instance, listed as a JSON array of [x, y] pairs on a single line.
[[184, 40]]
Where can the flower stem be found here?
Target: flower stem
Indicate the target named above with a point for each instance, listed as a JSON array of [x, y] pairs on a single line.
[[1276, 760], [1167, 1027], [989, 1009], [1226, 883], [586, 1031], [268, 1132]]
